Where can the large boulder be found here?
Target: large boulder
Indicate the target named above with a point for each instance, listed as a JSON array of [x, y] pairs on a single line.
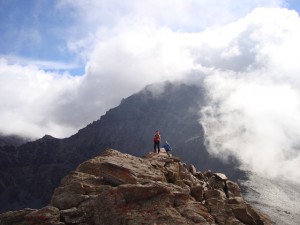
[[117, 188]]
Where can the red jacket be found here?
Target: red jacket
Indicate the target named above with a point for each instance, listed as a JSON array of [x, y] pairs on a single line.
[[156, 138]]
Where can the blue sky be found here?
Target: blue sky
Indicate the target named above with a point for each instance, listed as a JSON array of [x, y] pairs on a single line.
[[37, 31], [64, 63], [40, 32], [293, 4]]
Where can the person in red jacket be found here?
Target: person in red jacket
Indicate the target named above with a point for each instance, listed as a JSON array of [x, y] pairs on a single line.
[[156, 141]]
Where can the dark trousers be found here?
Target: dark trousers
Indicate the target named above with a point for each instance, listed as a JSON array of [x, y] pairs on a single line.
[[156, 145]]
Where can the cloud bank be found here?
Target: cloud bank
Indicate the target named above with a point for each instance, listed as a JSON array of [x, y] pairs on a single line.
[[254, 96], [29, 98]]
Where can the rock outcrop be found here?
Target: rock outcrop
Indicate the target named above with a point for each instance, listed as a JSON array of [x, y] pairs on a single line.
[[117, 188], [128, 127]]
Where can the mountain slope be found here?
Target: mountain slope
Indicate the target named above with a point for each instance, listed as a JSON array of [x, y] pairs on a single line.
[[12, 140], [30, 173]]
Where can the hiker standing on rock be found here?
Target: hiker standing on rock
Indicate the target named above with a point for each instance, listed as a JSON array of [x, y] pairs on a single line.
[[156, 141]]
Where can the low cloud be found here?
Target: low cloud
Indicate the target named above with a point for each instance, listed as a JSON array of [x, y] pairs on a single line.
[[29, 97], [254, 106]]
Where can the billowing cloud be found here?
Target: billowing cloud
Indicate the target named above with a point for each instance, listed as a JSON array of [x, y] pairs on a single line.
[[254, 95], [28, 96]]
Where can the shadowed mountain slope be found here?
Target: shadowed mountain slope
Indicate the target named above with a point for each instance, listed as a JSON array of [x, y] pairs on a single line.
[[29, 173]]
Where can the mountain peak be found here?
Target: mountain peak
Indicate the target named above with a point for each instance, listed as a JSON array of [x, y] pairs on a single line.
[[48, 137], [117, 188]]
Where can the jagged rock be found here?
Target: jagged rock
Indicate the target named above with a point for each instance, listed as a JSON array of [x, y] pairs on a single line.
[[117, 188], [46, 216], [197, 192], [233, 189], [14, 218], [220, 176], [192, 169]]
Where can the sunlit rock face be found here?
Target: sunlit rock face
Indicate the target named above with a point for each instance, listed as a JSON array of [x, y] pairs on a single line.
[[117, 188]]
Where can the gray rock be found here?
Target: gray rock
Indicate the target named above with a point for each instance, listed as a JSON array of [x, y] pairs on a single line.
[[117, 188]]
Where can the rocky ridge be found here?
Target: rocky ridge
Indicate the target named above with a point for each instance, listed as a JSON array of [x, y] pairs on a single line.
[[128, 127], [117, 188]]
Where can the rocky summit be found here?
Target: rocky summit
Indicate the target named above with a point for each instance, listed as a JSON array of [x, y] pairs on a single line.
[[117, 188]]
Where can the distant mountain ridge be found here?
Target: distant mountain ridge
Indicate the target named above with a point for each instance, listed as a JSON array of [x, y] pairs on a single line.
[[14, 140], [29, 173]]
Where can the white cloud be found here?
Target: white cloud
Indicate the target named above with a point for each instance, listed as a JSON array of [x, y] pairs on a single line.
[[110, 17], [254, 110], [28, 98], [191, 15], [117, 67]]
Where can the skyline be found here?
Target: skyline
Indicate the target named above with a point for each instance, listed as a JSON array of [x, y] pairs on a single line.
[[56, 44], [64, 63]]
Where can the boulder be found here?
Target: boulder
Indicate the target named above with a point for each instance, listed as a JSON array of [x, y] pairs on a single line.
[[197, 192], [117, 188]]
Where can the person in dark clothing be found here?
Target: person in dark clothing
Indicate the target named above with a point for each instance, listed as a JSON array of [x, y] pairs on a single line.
[[167, 147], [156, 141]]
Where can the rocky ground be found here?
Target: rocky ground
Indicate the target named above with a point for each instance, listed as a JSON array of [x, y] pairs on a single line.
[[117, 188]]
